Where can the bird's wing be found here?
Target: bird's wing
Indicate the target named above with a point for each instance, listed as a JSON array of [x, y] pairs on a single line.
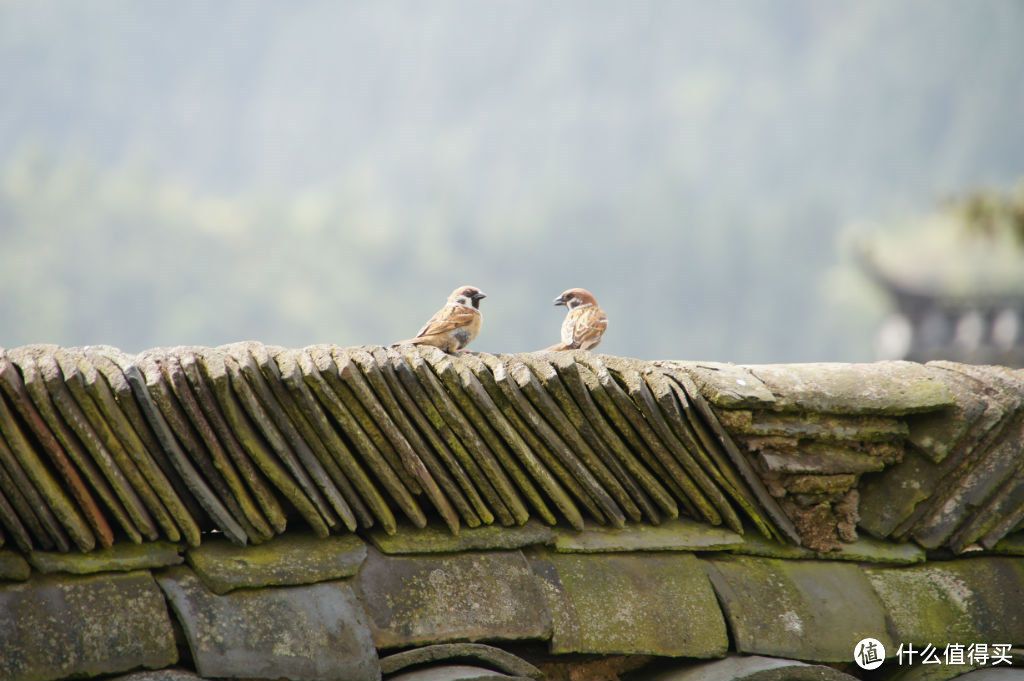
[[589, 327], [449, 318]]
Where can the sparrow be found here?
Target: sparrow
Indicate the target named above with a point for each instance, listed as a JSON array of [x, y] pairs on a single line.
[[455, 325], [584, 323]]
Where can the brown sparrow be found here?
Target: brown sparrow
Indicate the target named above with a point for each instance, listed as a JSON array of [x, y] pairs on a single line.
[[455, 325], [585, 322]]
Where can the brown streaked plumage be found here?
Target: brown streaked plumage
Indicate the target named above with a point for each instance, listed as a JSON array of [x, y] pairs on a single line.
[[455, 325], [585, 322]]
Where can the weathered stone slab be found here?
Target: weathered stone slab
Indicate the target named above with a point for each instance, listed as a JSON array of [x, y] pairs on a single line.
[[160, 675], [681, 534], [642, 603], [820, 461], [818, 484], [433, 539], [121, 557], [727, 385], [456, 672], [828, 427], [750, 668], [1012, 545], [593, 667], [282, 561], [13, 567], [807, 610], [52, 628], [964, 494], [864, 550], [890, 499], [494, 658], [962, 601], [441, 598], [304, 633], [993, 674], [938, 433], [878, 388]]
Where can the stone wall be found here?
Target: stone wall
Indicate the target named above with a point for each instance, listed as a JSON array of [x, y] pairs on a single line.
[[343, 513]]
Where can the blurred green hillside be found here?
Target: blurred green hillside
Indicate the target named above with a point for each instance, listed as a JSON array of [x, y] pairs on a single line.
[[310, 172]]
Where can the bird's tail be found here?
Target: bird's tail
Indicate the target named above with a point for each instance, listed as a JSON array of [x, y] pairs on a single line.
[[557, 347], [408, 341]]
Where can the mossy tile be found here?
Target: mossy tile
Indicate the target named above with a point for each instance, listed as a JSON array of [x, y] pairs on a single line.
[[747, 668], [1012, 544], [13, 567], [455, 672], [315, 632], [927, 672], [937, 434], [681, 534], [282, 561], [890, 498], [839, 388], [969, 600], [637, 603], [160, 675], [993, 674], [864, 550], [451, 597], [814, 425], [727, 385], [122, 557], [56, 627], [478, 653], [434, 539], [803, 609]]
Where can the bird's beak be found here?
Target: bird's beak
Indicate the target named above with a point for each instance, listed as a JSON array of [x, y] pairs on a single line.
[[559, 300], [479, 295]]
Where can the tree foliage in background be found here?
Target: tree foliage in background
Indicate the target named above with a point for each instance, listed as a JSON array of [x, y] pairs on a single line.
[[992, 214], [328, 172]]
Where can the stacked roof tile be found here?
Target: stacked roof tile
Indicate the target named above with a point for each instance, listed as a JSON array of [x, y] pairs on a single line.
[[246, 440]]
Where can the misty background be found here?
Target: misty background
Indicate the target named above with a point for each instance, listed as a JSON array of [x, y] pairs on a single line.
[[305, 172]]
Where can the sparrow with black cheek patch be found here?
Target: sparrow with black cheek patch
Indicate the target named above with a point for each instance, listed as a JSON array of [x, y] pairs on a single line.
[[584, 323], [454, 325]]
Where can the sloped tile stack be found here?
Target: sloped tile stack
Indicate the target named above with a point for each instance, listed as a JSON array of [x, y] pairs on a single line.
[[243, 439]]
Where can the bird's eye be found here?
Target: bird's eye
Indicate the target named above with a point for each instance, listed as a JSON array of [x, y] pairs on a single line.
[[468, 292]]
